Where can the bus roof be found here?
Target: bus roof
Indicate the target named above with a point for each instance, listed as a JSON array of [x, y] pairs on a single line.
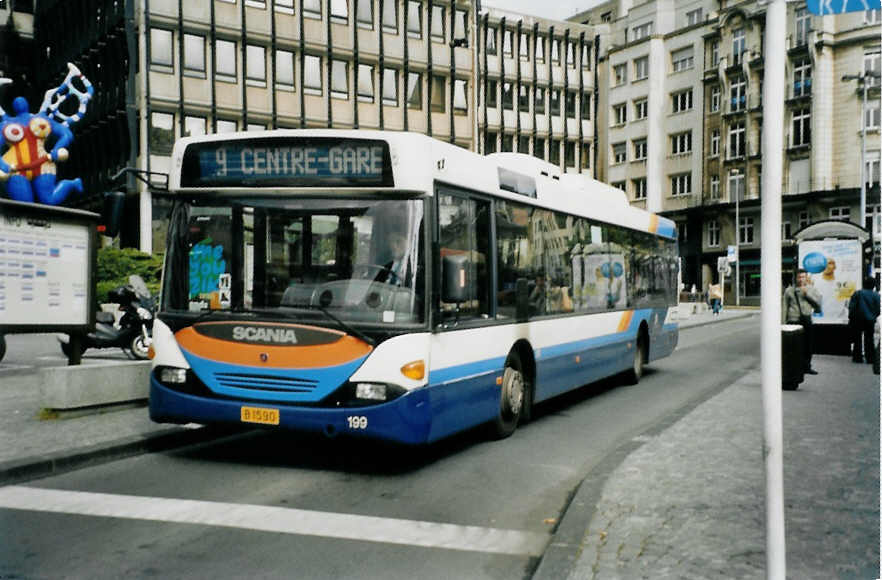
[[416, 162]]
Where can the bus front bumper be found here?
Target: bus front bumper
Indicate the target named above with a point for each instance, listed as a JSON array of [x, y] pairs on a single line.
[[403, 420]]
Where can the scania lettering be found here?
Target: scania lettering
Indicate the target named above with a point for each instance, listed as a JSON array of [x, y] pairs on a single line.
[[390, 286]]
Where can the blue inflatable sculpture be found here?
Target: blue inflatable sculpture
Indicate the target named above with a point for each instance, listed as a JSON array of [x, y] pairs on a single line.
[[26, 167]]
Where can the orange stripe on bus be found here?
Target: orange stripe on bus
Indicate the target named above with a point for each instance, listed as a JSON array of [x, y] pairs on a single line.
[[625, 321], [653, 224], [339, 352]]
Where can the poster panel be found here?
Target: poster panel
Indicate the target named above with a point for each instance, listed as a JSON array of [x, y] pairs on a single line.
[[834, 268]]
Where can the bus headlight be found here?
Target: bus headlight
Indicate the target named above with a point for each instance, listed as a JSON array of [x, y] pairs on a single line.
[[172, 375], [370, 391]]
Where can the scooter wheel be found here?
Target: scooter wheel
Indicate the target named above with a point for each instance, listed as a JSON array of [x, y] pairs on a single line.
[[139, 347]]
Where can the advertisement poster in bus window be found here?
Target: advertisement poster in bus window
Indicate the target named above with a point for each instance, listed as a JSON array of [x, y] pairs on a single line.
[[834, 268], [603, 280], [210, 278]]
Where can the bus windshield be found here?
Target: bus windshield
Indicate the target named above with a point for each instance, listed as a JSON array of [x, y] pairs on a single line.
[[359, 260]]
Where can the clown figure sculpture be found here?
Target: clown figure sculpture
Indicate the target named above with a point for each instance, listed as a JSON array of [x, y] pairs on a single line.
[[26, 166]]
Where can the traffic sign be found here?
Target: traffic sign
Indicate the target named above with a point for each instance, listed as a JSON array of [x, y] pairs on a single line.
[[723, 266], [732, 254], [824, 7]]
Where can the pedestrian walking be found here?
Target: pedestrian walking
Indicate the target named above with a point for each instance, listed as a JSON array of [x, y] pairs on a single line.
[[863, 309], [800, 301], [716, 298]]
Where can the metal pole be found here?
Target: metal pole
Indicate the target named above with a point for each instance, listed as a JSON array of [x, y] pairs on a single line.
[[863, 80], [773, 159], [738, 247], [475, 75]]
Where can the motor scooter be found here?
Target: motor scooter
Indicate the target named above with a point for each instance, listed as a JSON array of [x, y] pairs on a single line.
[[133, 334]]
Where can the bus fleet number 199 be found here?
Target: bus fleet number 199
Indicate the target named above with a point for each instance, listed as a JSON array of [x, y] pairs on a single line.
[[357, 421]]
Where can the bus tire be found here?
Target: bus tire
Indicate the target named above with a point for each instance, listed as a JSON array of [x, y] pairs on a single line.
[[512, 398], [2, 346], [635, 373]]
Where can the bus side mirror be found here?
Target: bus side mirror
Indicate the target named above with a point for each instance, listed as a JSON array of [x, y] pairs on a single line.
[[455, 278], [112, 212]]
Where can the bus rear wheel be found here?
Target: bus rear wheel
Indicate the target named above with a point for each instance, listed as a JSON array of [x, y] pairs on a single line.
[[513, 397], [635, 373]]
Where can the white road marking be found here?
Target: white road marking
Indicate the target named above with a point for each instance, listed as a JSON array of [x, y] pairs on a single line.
[[277, 519]]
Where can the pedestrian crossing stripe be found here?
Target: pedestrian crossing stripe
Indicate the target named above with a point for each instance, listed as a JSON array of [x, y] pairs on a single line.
[[277, 519]]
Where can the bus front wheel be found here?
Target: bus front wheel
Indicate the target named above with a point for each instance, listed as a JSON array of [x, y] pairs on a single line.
[[512, 398]]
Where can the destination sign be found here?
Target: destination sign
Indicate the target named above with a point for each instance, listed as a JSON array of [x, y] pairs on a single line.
[[287, 162]]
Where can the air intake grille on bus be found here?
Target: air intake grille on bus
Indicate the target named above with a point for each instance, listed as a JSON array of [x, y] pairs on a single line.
[[265, 383]]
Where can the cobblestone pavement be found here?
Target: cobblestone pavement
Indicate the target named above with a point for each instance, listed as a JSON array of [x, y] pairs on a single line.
[[689, 503]]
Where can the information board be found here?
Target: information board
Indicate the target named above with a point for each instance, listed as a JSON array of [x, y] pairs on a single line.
[[44, 271], [834, 268]]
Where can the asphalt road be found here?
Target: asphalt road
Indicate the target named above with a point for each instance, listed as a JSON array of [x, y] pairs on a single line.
[[267, 505]]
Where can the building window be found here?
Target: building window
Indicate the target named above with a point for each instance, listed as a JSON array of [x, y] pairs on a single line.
[[506, 43], [490, 41], [312, 8], [340, 79], [555, 102], [285, 69], [507, 96], [683, 232], [366, 83], [460, 102], [571, 54], [390, 17], [194, 126], [225, 126], [461, 25], [161, 49], [738, 94], [736, 185], [312, 74], [785, 230], [438, 104], [255, 62], [586, 107], [620, 114], [390, 87], [225, 61], [639, 149], [872, 16], [586, 56], [738, 45], [872, 64], [682, 101], [802, 77], [507, 142], [490, 143], [340, 11], [491, 96], [804, 220], [364, 14], [715, 99], [639, 186], [681, 184], [803, 24], [736, 140], [715, 143], [194, 54], [745, 230], [641, 109], [524, 46], [524, 98], [715, 187], [641, 68], [554, 152], [681, 143], [620, 74], [874, 219], [539, 148], [871, 114], [162, 133], [620, 153], [682, 59], [284, 6], [414, 90], [524, 144], [871, 169], [715, 53], [539, 104], [641, 31], [414, 19], [713, 233], [840, 213], [555, 50], [439, 23], [693, 17], [570, 154], [619, 185], [585, 156], [540, 49], [802, 127]]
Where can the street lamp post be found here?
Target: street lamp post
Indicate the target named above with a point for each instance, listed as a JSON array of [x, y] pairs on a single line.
[[864, 83]]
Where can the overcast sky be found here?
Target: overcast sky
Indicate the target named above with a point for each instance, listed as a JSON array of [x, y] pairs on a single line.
[[551, 9]]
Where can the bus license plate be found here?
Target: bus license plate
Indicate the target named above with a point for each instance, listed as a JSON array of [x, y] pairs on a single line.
[[260, 415]]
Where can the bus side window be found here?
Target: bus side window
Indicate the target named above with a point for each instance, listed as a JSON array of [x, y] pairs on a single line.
[[464, 229]]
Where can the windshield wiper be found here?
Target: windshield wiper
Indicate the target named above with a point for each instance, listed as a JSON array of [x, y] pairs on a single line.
[[347, 328]]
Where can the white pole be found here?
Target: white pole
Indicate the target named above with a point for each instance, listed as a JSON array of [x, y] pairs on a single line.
[[475, 76], [738, 245], [773, 157], [864, 81]]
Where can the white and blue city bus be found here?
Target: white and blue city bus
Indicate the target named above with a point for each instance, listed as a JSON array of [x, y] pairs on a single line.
[[389, 285]]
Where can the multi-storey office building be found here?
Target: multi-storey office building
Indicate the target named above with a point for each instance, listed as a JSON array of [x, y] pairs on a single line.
[[165, 69], [698, 143]]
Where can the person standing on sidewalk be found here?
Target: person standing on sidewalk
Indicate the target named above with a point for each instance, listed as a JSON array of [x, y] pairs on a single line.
[[716, 298], [800, 302], [863, 309]]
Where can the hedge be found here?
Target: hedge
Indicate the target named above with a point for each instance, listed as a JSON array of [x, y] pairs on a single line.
[[115, 265]]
